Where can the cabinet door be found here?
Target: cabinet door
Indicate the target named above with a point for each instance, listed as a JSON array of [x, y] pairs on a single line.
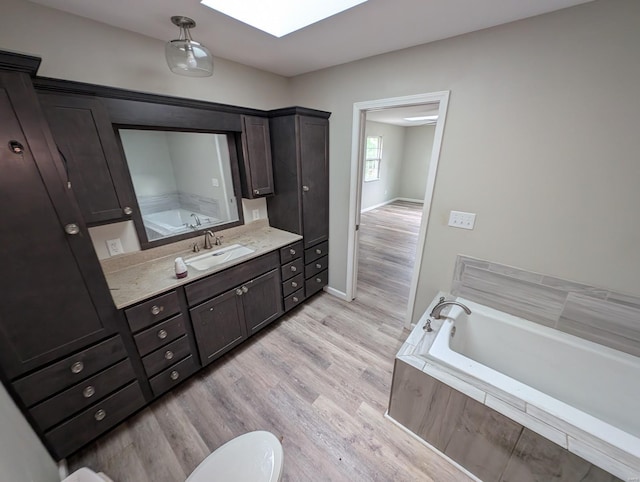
[[55, 299], [257, 169], [314, 165], [218, 325], [82, 131], [262, 300]]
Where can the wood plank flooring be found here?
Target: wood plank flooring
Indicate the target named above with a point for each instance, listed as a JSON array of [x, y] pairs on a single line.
[[319, 379]]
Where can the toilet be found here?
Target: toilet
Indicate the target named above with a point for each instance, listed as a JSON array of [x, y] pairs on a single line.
[[252, 457]]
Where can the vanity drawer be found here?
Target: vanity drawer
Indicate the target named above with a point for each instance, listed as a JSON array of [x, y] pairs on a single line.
[[316, 283], [316, 266], [84, 427], [315, 252], [167, 355], [173, 375], [294, 299], [152, 311], [292, 285], [291, 269], [70, 370], [159, 335], [56, 409], [218, 283], [291, 252]]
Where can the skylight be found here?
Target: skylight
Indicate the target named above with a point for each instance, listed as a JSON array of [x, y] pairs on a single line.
[[280, 17]]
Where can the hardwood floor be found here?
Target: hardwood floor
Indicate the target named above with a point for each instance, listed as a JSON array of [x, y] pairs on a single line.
[[319, 379]]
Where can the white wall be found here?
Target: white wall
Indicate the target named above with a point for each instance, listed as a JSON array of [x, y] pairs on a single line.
[[418, 144], [378, 192], [22, 455], [541, 142]]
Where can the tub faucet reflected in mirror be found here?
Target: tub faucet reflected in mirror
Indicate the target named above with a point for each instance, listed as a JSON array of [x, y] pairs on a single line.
[[197, 219]]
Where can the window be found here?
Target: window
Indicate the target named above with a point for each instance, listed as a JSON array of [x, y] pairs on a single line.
[[372, 158]]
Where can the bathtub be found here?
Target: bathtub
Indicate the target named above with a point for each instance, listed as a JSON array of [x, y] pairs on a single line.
[[588, 393], [176, 221]]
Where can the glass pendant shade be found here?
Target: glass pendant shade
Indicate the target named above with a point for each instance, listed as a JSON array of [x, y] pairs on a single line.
[[184, 55]]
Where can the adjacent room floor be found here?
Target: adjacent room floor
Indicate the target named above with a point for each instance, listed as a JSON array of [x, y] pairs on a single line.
[[319, 378]]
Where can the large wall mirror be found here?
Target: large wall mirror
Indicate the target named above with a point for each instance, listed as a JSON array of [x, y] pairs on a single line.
[[185, 182]]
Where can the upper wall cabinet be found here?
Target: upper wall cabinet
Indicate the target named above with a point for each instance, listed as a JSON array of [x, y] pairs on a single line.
[[85, 138], [256, 168]]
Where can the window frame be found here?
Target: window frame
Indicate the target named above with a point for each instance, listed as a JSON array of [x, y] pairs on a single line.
[[376, 159]]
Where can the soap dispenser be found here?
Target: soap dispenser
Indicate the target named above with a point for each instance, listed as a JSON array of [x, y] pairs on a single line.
[[181, 268]]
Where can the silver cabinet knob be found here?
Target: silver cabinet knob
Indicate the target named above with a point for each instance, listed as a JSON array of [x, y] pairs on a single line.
[[239, 292], [318, 251], [305, 188], [88, 392], [77, 367], [294, 284], [245, 289], [256, 191], [100, 415], [156, 310], [162, 334], [319, 280], [168, 355], [292, 252], [294, 269], [174, 375], [127, 210], [72, 228], [295, 299], [318, 265]]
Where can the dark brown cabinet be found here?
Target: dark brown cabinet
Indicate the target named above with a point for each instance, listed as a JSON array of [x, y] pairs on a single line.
[[262, 301], [55, 299], [85, 138], [256, 169]]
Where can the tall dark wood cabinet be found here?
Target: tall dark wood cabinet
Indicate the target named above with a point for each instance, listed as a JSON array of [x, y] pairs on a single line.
[[84, 135], [300, 152], [58, 323]]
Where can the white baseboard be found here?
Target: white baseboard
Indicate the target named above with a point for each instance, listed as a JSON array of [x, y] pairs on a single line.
[[406, 199], [336, 293]]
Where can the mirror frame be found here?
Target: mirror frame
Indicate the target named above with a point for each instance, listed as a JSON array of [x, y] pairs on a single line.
[[233, 142]]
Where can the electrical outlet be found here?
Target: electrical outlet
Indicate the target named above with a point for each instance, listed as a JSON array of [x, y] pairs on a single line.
[[114, 246], [459, 219], [256, 214]]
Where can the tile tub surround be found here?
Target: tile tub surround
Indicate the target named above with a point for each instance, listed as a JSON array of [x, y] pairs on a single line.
[[138, 276], [595, 314], [623, 465]]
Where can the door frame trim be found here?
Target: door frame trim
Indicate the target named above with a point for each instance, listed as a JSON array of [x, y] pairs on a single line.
[[355, 194]]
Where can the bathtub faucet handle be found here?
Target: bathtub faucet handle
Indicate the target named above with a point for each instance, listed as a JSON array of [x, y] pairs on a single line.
[[427, 326]]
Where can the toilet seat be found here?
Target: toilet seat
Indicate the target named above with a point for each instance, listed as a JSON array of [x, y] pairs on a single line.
[[255, 457]]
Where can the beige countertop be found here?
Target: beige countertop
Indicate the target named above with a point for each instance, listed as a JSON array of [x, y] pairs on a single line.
[[134, 277]]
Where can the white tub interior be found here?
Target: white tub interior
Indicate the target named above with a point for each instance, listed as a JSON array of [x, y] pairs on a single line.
[[177, 221], [590, 386]]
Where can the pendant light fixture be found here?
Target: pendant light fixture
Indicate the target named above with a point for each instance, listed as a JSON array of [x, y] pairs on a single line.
[[184, 55]]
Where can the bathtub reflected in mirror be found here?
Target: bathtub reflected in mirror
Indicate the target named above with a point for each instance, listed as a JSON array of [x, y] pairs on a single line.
[[183, 181]]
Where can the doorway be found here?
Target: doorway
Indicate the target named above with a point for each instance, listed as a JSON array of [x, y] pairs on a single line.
[[437, 101]]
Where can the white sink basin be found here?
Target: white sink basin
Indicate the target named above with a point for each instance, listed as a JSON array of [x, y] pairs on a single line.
[[210, 259]]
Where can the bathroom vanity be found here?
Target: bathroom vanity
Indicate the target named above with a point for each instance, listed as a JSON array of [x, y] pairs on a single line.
[[85, 344]]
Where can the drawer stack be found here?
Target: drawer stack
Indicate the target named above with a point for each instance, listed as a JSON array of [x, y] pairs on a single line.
[[161, 340], [74, 400], [292, 271], [316, 262]]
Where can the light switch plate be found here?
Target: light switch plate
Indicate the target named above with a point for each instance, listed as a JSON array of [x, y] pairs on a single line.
[[114, 246], [460, 219]]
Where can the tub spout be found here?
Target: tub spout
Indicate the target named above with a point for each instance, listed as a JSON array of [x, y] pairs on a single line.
[[435, 313]]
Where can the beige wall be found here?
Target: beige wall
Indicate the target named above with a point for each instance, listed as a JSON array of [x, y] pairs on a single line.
[[22, 455], [418, 145], [76, 48], [541, 142], [378, 192]]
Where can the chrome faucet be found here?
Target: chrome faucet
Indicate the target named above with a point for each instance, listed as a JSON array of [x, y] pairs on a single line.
[[435, 313], [208, 236], [195, 216]]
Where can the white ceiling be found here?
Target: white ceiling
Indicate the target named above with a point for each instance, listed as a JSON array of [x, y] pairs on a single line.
[[372, 28]]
